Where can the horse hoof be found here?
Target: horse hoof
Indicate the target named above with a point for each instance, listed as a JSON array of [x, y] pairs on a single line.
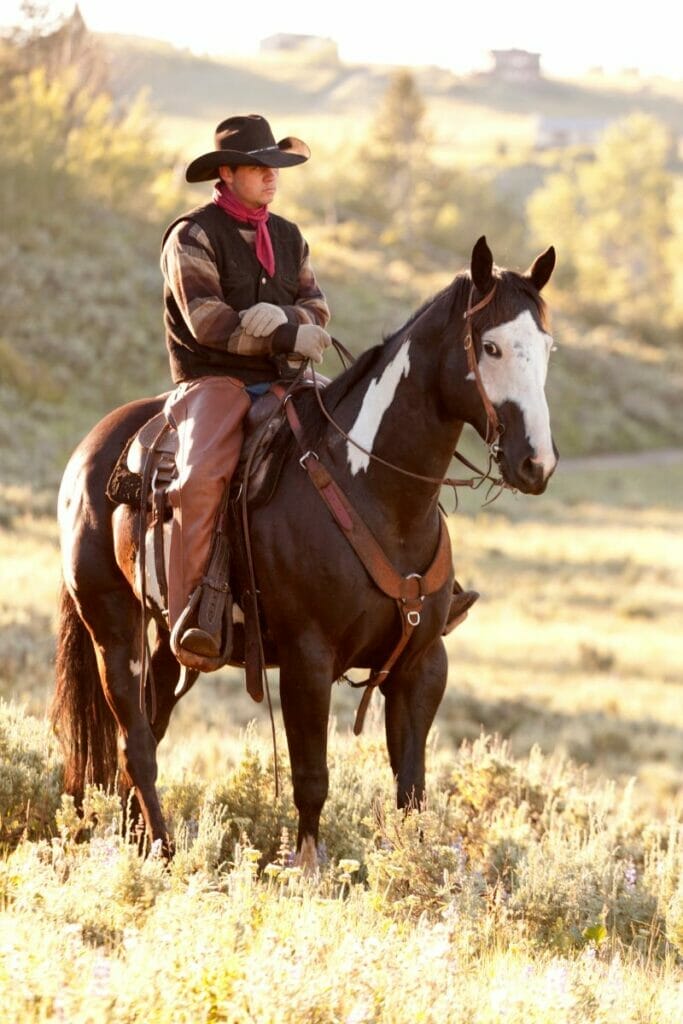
[[307, 857]]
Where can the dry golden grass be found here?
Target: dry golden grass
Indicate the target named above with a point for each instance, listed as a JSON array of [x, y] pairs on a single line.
[[530, 891], [574, 645]]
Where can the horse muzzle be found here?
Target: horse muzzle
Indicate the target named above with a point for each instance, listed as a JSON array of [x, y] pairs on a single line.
[[529, 474]]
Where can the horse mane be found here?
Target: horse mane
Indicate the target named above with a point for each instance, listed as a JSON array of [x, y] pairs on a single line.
[[337, 389]]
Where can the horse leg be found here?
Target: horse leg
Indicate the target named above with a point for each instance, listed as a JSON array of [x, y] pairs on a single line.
[[166, 673], [114, 623], [413, 693], [305, 690]]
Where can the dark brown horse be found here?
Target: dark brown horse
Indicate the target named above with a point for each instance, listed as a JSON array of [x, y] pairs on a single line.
[[403, 401]]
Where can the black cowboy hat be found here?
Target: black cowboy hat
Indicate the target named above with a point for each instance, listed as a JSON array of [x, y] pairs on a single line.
[[247, 139]]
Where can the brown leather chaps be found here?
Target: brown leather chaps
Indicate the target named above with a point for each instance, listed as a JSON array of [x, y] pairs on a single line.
[[208, 414]]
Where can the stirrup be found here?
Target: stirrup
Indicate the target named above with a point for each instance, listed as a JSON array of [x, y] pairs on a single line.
[[200, 662]]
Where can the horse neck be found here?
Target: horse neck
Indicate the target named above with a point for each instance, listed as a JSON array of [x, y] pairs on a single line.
[[394, 413]]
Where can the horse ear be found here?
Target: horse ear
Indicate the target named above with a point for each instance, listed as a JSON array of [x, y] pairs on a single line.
[[540, 270], [482, 265]]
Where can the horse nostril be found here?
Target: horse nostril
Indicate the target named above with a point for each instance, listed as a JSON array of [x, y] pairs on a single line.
[[532, 470]]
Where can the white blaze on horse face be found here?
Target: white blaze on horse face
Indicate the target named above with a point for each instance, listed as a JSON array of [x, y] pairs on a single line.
[[377, 399], [519, 376]]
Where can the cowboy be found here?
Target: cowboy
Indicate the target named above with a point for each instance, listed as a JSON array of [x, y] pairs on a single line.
[[241, 303]]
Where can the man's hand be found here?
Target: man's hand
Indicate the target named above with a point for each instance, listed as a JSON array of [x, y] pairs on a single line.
[[262, 319], [311, 342]]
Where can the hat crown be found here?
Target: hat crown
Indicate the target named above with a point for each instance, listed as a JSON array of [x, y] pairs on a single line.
[[246, 139], [245, 133]]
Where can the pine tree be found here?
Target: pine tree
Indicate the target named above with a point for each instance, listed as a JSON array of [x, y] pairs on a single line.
[[400, 142]]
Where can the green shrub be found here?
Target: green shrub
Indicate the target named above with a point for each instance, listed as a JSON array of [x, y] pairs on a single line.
[[419, 866], [247, 798], [31, 776]]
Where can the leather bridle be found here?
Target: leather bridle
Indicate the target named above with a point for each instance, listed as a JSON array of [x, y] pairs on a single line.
[[494, 428]]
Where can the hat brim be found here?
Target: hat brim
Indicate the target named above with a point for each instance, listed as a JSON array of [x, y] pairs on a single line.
[[287, 153]]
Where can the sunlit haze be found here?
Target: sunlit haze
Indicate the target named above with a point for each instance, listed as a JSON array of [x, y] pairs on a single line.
[[571, 40]]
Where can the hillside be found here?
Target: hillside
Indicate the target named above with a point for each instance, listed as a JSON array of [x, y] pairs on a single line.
[[335, 101], [81, 329]]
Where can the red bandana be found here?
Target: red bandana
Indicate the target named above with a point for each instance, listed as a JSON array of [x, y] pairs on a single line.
[[224, 198]]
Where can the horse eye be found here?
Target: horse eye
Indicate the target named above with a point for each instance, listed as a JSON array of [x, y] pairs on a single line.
[[492, 350]]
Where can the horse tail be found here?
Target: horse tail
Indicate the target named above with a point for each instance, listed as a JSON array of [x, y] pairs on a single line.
[[79, 714]]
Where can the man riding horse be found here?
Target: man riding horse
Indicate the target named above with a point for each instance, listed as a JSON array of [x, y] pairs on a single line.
[[241, 306]]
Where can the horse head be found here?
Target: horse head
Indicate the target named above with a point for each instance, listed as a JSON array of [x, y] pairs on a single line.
[[507, 328]]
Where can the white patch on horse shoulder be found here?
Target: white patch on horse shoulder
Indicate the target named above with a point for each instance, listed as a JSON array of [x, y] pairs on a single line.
[[377, 399], [519, 376], [134, 667]]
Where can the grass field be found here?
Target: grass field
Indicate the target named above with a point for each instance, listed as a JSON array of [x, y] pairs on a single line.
[[574, 643], [541, 885]]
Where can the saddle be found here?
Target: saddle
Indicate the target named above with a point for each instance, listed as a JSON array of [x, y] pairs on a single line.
[[141, 478], [153, 449]]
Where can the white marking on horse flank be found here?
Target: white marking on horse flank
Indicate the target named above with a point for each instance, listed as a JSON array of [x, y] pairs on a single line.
[[134, 667], [152, 584], [377, 399]]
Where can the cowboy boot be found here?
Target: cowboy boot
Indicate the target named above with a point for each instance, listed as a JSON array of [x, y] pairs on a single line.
[[194, 647], [204, 630], [198, 641], [461, 602]]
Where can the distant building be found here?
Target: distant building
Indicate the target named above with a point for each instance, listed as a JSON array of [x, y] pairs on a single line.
[[516, 65], [286, 43], [559, 132]]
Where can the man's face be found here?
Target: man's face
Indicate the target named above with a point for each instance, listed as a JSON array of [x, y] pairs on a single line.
[[253, 186]]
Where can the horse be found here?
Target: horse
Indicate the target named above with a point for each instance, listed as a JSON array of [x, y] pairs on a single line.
[[386, 430]]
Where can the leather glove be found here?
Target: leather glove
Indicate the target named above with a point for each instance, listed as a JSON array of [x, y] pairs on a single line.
[[311, 342], [262, 319]]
